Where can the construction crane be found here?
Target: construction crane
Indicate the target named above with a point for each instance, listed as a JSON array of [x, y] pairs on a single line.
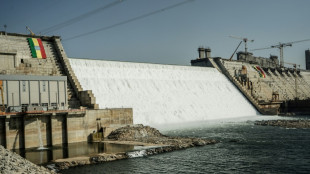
[[235, 51], [245, 40], [281, 46], [31, 33]]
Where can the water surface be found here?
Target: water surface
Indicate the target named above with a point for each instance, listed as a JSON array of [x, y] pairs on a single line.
[[243, 148]]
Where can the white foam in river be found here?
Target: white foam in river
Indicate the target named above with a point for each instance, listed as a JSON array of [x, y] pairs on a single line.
[[162, 93]]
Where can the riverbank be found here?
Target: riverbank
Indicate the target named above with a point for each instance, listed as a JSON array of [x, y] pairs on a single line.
[[11, 162], [299, 124], [147, 140]]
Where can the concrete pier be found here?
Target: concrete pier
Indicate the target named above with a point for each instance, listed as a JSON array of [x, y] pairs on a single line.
[[21, 130]]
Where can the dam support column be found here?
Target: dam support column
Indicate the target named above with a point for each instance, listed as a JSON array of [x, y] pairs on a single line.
[[77, 126], [14, 131], [2, 132], [59, 129]]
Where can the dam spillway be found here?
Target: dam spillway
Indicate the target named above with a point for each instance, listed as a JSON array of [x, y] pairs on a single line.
[[162, 94]]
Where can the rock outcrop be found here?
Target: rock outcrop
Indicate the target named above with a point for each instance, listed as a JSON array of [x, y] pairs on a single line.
[[134, 133], [147, 134], [300, 124]]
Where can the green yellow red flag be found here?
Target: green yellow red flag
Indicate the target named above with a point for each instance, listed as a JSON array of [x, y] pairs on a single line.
[[36, 47]]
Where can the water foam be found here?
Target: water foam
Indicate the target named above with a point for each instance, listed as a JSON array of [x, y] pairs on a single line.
[[136, 154], [162, 94]]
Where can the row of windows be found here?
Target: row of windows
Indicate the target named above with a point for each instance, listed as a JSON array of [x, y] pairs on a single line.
[[43, 84], [43, 104]]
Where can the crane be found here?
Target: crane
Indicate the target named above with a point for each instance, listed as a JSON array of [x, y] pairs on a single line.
[[245, 40], [281, 46], [31, 33], [235, 51]]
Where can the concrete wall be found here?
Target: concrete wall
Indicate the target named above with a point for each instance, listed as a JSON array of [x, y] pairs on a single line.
[[80, 127], [201, 62], [32, 125], [22, 131]]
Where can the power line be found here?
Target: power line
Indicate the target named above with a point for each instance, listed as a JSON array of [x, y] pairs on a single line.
[[78, 18], [129, 20]]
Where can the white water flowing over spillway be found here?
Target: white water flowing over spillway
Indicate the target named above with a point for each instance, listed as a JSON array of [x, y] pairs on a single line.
[[161, 94]]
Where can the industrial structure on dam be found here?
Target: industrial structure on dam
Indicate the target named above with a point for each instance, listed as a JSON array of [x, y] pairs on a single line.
[[42, 90], [270, 87]]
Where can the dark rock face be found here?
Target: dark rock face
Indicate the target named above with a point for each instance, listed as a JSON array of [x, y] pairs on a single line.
[[299, 124], [11, 162]]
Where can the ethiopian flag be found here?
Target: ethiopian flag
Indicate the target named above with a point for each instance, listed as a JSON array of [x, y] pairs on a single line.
[[36, 47]]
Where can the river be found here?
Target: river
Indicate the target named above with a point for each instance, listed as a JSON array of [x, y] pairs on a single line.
[[243, 148]]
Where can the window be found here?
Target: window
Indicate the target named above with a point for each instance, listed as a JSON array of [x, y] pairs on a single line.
[[44, 86], [44, 104], [24, 86], [24, 105]]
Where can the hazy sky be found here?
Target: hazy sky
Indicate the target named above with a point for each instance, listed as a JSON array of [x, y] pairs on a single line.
[[140, 31]]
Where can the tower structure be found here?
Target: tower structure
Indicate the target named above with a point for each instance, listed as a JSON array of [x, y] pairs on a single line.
[[307, 52]]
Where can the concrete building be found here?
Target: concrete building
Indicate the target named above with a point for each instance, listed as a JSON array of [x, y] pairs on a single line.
[[40, 92], [307, 52], [22, 93], [272, 62]]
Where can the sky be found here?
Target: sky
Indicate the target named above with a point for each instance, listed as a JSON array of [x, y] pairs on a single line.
[[163, 31]]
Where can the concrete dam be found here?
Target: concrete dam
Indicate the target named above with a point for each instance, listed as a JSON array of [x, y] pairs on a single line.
[[162, 94], [49, 99]]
